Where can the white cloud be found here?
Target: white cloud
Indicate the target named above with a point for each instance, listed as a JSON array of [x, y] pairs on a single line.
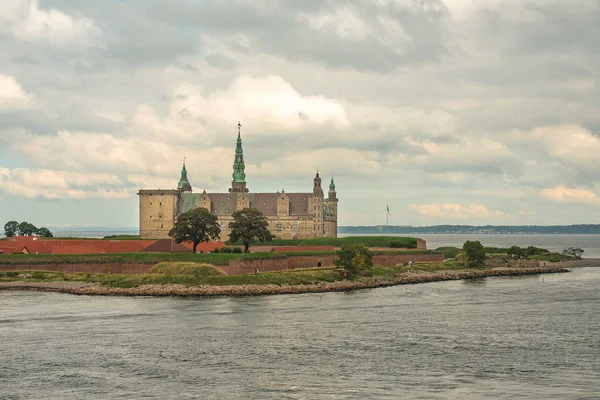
[[456, 211], [12, 94], [562, 194], [26, 21], [263, 104], [52, 184]]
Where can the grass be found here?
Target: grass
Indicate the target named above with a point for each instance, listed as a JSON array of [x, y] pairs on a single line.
[[154, 258], [185, 268], [551, 257], [370, 241], [296, 277]]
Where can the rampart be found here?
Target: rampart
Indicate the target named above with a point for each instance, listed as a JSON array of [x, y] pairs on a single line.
[[235, 267]]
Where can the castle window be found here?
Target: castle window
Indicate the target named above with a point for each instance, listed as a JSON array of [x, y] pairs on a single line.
[[161, 225], [151, 217], [160, 204], [279, 226], [150, 203]]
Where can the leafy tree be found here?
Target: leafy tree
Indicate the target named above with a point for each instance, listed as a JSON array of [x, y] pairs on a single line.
[[573, 252], [249, 225], [26, 229], [474, 253], [11, 228], [354, 258], [44, 232], [516, 252], [197, 225]]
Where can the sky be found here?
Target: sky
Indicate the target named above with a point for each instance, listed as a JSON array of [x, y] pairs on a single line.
[[449, 111]]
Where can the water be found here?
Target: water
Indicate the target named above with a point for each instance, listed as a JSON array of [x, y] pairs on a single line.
[[530, 337]]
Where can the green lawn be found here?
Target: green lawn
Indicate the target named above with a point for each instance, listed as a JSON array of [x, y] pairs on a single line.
[[370, 241], [296, 277]]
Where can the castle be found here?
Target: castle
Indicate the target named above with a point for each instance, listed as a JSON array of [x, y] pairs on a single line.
[[290, 215]]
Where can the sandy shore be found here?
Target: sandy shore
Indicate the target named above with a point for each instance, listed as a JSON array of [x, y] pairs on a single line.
[[414, 277]]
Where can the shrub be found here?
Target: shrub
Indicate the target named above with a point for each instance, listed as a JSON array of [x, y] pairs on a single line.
[[474, 254], [354, 258]]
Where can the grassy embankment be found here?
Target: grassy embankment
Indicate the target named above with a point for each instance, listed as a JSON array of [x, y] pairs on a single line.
[[196, 274], [154, 258], [369, 241], [452, 252]]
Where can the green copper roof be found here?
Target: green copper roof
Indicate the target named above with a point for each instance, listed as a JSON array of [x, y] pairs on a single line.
[[184, 184], [332, 185], [238, 165]]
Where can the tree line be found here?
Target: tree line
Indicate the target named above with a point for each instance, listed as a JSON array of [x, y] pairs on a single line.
[[14, 228]]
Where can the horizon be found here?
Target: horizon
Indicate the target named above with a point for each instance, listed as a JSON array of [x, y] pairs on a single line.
[[417, 106]]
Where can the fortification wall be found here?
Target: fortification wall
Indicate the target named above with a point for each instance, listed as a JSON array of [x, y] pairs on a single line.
[[113, 268]]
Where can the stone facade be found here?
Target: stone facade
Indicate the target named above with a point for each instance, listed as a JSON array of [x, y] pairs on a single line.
[[290, 215]]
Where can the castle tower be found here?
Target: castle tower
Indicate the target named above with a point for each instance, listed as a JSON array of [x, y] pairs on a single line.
[[317, 190], [238, 184], [316, 206], [184, 185], [332, 194], [331, 211]]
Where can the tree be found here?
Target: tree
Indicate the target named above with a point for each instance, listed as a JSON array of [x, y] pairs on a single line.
[[197, 225], [354, 258], [249, 225], [10, 228], [573, 252], [44, 232], [474, 253], [26, 229], [516, 252]]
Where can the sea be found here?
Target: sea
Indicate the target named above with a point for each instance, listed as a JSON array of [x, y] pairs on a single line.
[[533, 337]]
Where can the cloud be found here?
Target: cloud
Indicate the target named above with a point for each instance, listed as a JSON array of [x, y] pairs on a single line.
[[26, 21], [456, 211], [562, 194], [52, 184], [12, 94], [402, 101]]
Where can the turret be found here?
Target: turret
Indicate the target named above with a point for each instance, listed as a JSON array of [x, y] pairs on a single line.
[[184, 185], [238, 184], [332, 194], [317, 190]]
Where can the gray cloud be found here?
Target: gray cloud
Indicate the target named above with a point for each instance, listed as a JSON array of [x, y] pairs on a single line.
[[439, 100]]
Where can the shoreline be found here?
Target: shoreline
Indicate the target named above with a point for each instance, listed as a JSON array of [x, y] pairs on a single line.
[[416, 277]]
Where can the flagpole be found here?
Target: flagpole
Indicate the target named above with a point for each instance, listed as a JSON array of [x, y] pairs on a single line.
[[387, 217]]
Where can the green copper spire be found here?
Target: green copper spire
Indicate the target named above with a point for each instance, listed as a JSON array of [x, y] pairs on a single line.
[[239, 176], [332, 185], [184, 185]]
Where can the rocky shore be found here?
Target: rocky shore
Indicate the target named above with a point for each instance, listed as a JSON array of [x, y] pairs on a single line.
[[262, 290]]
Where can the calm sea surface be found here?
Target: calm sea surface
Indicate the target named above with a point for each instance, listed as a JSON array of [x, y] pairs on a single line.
[[529, 337]]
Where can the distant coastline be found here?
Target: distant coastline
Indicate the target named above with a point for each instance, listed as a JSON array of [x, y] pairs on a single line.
[[580, 229]]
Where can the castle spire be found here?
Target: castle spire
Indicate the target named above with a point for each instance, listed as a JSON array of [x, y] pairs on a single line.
[[239, 175], [184, 185]]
